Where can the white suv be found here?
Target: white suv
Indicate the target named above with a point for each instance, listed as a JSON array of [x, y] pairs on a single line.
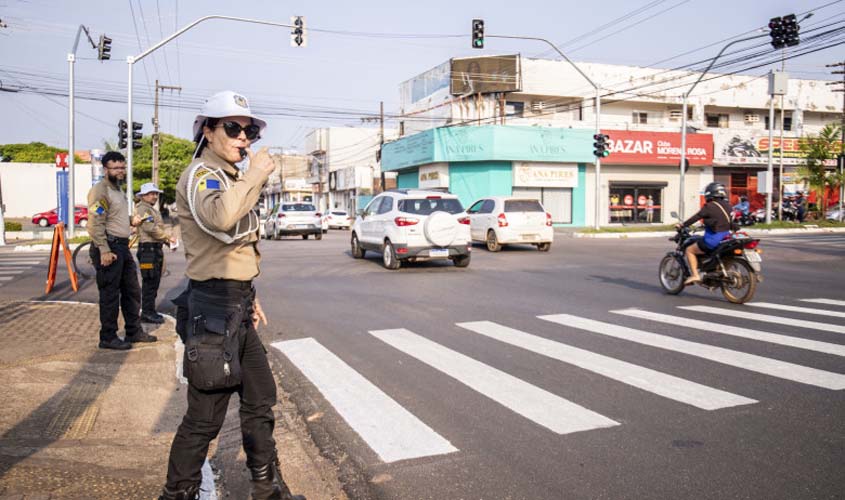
[[413, 225], [500, 220]]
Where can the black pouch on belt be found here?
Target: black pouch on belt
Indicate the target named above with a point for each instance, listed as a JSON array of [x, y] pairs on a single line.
[[212, 350], [182, 314], [147, 257]]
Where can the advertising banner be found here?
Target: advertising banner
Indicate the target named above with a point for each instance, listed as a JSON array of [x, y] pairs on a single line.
[[629, 147], [527, 174], [473, 75]]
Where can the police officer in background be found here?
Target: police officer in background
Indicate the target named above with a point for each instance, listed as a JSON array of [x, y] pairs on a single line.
[[219, 313], [117, 280], [151, 236]]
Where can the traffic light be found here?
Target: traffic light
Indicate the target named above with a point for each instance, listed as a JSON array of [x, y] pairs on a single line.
[[136, 136], [776, 32], [478, 33], [297, 36], [602, 148], [122, 134], [104, 48], [790, 30]]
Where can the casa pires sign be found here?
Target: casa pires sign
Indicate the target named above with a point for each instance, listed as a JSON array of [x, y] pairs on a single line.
[[657, 148]]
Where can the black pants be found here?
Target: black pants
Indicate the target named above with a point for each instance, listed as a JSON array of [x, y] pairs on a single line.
[[207, 409], [151, 261], [119, 289]]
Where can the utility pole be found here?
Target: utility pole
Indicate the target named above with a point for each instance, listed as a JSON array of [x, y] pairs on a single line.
[[782, 113], [841, 159], [155, 129], [381, 142]]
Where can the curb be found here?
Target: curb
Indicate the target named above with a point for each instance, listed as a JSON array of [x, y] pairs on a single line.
[[752, 232]]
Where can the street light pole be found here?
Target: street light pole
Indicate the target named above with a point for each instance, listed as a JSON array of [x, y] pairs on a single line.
[[131, 60], [71, 146], [597, 219], [684, 118]]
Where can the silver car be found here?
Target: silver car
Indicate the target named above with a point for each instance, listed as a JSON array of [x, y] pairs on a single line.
[[294, 218]]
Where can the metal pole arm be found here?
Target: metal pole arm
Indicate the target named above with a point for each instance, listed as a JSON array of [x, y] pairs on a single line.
[[553, 46], [206, 18], [713, 61]]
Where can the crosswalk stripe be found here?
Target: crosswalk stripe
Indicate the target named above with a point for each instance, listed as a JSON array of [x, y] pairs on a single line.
[[5, 278], [804, 310], [773, 338], [829, 302], [19, 262], [536, 404], [760, 364], [659, 383], [390, 430], [10, 271], [781, 320]]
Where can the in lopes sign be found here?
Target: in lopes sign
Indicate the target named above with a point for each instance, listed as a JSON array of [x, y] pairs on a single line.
[[657, 148]]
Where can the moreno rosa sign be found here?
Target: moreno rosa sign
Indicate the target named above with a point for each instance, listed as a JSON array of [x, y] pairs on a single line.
[[657, 148]]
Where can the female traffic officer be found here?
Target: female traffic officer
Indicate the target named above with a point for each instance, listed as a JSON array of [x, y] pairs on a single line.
[[218, 314], [717, 224]]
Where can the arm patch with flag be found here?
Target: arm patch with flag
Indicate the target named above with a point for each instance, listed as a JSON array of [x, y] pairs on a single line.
[[208, 184], [99, 207]]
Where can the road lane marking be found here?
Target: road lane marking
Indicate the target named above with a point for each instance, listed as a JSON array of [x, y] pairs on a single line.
[[649, 380], [829, 302], [780, 320], [803, 310], [390, 430], [773, 338], [536, 404], [5, 278], [9, 271], [4, 263], [759, 364]]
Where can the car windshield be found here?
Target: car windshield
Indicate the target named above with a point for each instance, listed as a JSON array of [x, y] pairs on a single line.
[[523, 206], [427, 206], [298, 207]]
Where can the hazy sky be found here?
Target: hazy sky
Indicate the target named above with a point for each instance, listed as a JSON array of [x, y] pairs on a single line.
[[340, 77]]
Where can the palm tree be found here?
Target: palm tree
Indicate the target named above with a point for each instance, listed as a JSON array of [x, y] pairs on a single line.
[[817, 149]]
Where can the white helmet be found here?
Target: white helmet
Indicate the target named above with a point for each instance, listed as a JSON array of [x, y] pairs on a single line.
[[221, 105]]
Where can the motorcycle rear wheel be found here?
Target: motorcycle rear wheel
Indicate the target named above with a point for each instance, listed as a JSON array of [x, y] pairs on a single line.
[[741, 281], [671, 275]]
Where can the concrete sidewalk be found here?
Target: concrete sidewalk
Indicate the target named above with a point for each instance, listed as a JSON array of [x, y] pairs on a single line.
[[82, 422]]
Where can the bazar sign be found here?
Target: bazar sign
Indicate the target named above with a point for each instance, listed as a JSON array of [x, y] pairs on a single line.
[[657, 148], [527, 174]]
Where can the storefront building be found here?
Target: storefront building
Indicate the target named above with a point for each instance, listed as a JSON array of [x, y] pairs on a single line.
[[548, 164], [641, 177]]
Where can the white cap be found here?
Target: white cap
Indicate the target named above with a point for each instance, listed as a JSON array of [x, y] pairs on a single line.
[[148, 188], [223, 104]]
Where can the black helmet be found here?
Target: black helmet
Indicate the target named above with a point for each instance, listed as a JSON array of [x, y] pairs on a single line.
[[715, 190]]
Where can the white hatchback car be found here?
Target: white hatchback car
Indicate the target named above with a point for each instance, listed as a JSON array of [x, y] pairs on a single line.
[[338, 219], [294, 218], [413, 225], [501, 220]]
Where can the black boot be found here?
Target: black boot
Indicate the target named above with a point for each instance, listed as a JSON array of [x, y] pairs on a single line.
[[189, 493], [267, 483]]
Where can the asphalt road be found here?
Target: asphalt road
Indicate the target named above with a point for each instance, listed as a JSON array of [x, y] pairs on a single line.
[[438, 382]]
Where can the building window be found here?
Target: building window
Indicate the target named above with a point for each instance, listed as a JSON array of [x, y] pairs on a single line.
[[717, 120], [787, 122], [514, 108], [639, 117]]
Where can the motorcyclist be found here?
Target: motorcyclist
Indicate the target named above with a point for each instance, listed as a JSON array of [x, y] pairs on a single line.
[[717, 224], [743, 206]]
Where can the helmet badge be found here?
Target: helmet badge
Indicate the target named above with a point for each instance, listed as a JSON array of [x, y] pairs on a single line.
[[240, 100]]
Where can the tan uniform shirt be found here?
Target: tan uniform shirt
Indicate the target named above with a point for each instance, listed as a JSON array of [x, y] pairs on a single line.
[[108, 214], [150, 231], [220, 209]]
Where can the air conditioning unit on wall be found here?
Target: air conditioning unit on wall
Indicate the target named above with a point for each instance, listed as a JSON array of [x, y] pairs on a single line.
[[538, 106], [675, 115], [752, 118]]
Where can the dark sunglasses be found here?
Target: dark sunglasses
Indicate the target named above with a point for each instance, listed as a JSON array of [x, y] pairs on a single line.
[[233, 130]]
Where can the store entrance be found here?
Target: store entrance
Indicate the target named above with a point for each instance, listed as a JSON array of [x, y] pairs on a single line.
[[636, 203]]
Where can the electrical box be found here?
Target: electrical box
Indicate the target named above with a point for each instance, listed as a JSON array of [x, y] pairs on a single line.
[[764, 183], [778, 83]]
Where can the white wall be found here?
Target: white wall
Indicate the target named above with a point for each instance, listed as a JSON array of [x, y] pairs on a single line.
[[29, 188]]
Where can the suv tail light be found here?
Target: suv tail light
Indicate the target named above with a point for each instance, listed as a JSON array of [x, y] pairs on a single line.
[[318, 214], [405, 221], [548, 219], [503, 221], [281, 216], [464, 220]]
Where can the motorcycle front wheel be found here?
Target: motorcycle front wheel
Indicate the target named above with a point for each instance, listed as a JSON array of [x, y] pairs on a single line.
[[741, 282], [671, 275]]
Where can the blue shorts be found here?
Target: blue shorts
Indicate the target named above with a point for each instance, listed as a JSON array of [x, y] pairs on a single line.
[[712, 240]]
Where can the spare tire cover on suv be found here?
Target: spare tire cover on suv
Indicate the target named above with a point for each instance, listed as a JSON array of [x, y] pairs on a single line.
[[440, 228]]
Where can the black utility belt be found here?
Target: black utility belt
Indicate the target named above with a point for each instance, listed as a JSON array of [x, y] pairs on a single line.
[[115, 239], [151, 244], [221, 284]]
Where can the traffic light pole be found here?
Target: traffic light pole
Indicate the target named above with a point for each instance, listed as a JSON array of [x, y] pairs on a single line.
[[71, 146], [597, 216], [131, 60], [681, 207]]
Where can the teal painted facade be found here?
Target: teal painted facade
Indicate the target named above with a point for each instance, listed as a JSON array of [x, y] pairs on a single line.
[[473, 180], [481, 159]]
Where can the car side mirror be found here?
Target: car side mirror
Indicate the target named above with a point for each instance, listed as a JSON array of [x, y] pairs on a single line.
[[360, 213]]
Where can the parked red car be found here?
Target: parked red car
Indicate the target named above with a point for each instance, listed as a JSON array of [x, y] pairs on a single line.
[[51, 217]]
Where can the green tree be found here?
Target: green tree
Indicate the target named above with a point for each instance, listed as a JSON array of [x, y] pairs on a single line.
[[817, 149], [174, 155], [34, 152]]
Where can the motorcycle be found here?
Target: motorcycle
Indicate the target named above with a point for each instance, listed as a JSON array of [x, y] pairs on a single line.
[[742, 218], [734, 266]]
